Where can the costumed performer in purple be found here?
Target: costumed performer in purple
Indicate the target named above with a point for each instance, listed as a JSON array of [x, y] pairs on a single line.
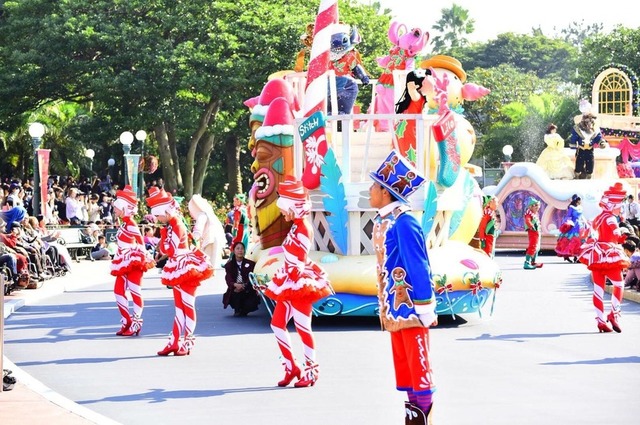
[[606, 258], [405, 285]]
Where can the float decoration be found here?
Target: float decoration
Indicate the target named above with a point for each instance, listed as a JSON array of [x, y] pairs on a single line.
[[347, 65], [406, 46], [430, 209], [335, 202], [313, 135]]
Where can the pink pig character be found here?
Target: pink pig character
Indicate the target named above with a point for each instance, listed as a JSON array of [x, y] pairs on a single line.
[[406, 46]]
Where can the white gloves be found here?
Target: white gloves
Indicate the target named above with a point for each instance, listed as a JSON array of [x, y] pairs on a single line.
[[428, 319]]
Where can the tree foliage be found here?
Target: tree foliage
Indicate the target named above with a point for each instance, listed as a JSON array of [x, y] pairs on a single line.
[[180, 70]]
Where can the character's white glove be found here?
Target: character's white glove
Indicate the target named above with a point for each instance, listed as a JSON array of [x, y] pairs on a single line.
[[428, 319]]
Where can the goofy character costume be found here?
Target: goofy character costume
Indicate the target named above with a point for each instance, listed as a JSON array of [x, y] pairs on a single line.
[[183, 272], [532, 227], [606, 258], [405, 285], [296, 285], [129, 263]]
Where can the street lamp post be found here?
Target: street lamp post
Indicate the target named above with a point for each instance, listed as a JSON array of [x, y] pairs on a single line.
[[90, 153], [141, 136], [126, 138], [36, 131]]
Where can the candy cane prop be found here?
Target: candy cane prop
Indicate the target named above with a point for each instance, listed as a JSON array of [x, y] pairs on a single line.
[[315, 97]]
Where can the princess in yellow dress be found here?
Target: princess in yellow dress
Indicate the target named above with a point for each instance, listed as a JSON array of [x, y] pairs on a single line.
[[552, 159]]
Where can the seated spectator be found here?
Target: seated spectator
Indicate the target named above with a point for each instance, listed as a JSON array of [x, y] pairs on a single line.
[[240, 294], [10, 244], [100, 251], [12, 215]]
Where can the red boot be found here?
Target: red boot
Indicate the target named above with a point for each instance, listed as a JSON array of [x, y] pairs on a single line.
[[310, 375], [294, 372], [613, 319], [134, 327], [123, 329], [603, 327]]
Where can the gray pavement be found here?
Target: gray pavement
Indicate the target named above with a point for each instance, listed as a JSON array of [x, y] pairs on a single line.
[[537, 360]]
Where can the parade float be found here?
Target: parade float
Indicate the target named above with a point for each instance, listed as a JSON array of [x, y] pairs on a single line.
[[614, 102], [291, 134]]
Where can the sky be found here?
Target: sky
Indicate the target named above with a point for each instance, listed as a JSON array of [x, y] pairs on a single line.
[[493, 17]]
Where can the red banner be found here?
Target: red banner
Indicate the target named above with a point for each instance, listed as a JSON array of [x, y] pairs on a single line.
[[43, 168]]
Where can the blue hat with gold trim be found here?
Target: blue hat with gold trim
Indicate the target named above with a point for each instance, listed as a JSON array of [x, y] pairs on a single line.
[[397, 175]]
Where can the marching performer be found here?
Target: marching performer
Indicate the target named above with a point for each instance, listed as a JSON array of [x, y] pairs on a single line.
[[606, 258], [183, 272], [296, 285], [405, 286], [129, 263]]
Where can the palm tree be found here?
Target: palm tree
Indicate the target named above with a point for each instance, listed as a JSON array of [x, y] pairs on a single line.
[[453, 26]]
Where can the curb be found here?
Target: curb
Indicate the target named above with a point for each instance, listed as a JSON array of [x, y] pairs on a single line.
[[14, 304]]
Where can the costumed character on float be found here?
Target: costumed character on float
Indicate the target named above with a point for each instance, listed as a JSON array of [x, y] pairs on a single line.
[[411, 101], [406, 46], [184, 270], [129, 263], [452, 131], [552, 159], [606, 259], [585, 136], [347, 65], [307, 41], [465, 277], [296, 285]]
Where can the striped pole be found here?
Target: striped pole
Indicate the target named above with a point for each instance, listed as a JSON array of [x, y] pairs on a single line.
[[312, 131], [315, 97]]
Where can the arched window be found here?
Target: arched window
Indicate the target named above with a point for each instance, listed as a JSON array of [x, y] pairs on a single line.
[[613, 92]]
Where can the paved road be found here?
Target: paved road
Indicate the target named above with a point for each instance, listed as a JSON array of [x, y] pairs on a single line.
[[537, 360]]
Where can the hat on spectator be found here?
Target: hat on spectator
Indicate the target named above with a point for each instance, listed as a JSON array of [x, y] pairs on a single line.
[[159, 201], [13, 186]]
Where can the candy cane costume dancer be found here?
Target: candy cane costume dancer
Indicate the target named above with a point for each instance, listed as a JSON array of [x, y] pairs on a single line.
[[606, 258], [129, 263], [296, 285], [184, 270]]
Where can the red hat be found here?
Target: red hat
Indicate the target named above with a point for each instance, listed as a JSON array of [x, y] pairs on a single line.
[[292, 189], [159, 198], [128, 195], [277, 122], [616, 193]]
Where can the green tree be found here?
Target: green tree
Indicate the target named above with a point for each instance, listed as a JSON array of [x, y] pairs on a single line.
[[180, 70], [453, 28]]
